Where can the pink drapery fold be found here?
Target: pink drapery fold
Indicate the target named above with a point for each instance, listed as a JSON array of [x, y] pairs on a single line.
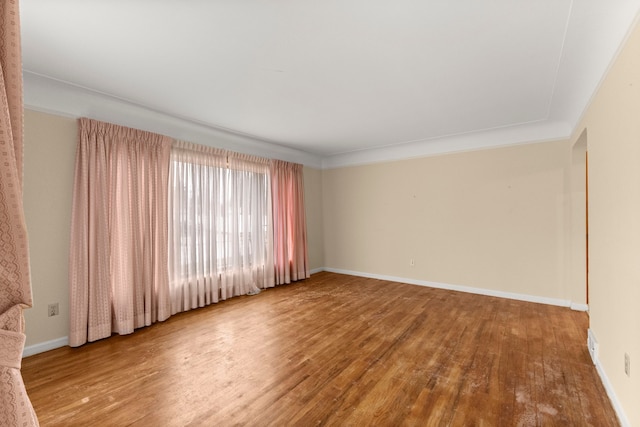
[[118, 255], [289, 222], [15, 282]]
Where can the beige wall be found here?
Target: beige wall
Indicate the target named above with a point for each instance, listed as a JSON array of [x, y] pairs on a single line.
[[492, 219], [612, 125], [575, 203], [313, 210], [50, 147]]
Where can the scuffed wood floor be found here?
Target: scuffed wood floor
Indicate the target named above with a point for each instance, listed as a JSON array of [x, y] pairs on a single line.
[[333, 350]]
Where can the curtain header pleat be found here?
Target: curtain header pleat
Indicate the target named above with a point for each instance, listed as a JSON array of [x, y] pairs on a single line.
[[122, 133]]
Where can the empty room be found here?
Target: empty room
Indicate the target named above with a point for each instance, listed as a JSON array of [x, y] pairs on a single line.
[[321, 213]]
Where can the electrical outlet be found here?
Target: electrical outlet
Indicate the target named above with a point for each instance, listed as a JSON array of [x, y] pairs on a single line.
[[54, 309], [627, 365], [592, 344]]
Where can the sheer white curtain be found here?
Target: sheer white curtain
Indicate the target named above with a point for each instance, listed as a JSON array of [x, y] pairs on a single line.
[[249, 250], [220, 226]]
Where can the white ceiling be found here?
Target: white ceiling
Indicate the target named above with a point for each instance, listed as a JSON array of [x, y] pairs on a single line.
[[325, 82]]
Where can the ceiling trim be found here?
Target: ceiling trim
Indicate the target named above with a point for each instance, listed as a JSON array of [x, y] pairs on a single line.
[[508, 136], [45, 94]]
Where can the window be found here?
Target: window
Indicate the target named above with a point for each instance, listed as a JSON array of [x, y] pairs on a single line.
[[221, 233]]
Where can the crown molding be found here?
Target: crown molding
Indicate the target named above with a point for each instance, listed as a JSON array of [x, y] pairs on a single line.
[[45, 94], [543, 131], [42, 93]]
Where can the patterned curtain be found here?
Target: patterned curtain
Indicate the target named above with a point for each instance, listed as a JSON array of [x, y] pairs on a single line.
[[118, 256], [15, 284]]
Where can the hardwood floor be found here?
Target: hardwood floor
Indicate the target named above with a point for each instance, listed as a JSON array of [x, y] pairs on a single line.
[[333, 350]]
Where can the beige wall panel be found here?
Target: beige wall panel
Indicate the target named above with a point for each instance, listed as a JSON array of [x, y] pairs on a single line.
[[576, 187], [313, 210], [491, 219], [613, 138], [50, 148]]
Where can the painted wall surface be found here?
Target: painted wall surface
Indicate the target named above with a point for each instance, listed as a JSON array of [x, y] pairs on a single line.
[[49, 159], [612, 124], [50, 147], [576, 214], [491, 219], [313, 211]]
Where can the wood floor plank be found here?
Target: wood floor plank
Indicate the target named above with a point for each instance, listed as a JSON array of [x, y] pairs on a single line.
[[333, 350]]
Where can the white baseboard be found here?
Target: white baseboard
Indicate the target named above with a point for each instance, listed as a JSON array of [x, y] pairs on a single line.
[[617, 407], [579, 307], [459, 288], [45, 346], [316, 270], [592, 345]]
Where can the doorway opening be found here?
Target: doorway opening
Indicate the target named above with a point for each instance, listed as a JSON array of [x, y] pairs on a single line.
[[580, 218]]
